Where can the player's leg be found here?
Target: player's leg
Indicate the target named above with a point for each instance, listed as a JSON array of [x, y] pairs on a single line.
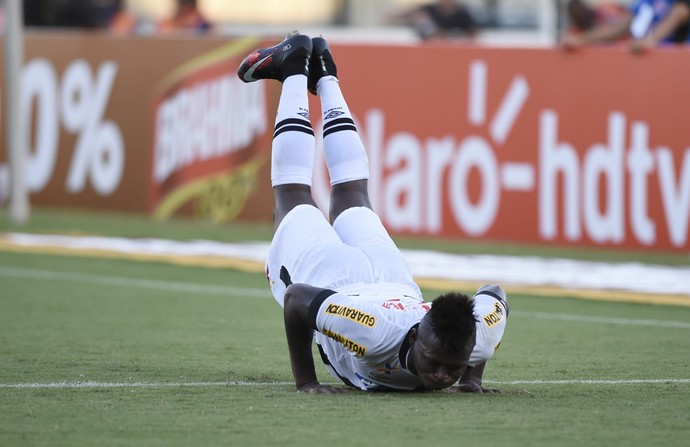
[[293, 149], [305, 239], [344, 152], [292, 156], [351, 213]]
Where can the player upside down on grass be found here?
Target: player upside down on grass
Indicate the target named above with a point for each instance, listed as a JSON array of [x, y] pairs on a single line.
[[345, 284]]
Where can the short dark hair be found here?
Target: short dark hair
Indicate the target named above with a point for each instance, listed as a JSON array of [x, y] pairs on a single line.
[[452, 321]]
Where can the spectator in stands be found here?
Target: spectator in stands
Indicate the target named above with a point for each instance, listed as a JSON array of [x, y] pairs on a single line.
[[61, 13], [187, 18], [648, 23], [34, 12], [70, 13], [3, 18], [584, 17], [441, 19], [106, 10], [123, 21]]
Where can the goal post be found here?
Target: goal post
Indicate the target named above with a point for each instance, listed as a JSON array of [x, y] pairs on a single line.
[[16, 134]]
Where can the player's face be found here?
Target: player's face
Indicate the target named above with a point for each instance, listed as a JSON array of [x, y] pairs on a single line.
[[436, 369]]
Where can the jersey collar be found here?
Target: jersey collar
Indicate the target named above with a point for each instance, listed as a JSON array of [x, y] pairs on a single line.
[[405, 347]]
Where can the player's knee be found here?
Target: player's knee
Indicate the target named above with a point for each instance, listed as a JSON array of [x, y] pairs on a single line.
[[348, 195]]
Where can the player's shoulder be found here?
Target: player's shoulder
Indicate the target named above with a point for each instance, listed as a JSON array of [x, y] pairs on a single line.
[[491, 305], [492, 292]]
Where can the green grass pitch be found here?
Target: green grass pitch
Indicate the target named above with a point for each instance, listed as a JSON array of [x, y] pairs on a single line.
[[112, 353]]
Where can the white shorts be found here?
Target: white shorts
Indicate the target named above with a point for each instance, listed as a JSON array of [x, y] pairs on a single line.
[[356, 253]]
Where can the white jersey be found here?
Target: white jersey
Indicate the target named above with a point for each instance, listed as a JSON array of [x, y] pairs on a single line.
[[356, 253], [363, 338], [362, 329]]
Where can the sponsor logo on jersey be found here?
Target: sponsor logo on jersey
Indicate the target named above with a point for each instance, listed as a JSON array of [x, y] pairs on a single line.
[[384, 373], [358, 349], [494, 317], [355, 315], [394, 304], [397, 304], [387, 369]]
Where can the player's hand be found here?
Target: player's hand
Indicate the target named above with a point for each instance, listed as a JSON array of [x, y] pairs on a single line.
[[317, 388], [471, 388]]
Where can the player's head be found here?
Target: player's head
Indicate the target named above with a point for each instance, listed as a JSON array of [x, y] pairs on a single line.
[[442, 343]]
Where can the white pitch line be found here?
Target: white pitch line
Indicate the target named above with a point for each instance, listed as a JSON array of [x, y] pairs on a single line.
[[604, 320], [137, 384], [132, 282], [586, 382], [71, 385], [261, 293]]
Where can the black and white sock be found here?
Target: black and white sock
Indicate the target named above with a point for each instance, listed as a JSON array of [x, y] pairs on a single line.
[[292, 156], [344, 152]]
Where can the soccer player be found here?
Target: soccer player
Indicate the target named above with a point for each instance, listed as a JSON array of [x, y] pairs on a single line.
[[345, 284]]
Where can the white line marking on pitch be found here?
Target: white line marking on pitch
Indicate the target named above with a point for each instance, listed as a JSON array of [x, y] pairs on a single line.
[[255, 292], [587, 382], [604, 320], [136, 384], [64, 385], [131, 282]]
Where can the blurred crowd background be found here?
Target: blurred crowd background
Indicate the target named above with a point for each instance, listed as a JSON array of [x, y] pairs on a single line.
[[493, 21], [556, 110]]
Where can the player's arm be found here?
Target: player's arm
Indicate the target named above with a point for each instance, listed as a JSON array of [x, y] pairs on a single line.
[[471, 381], [491, 310], [300, 332]]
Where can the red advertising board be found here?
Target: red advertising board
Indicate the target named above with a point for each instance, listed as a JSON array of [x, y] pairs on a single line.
[[526, 145], [534, 146], [147, 125], [209, 137]]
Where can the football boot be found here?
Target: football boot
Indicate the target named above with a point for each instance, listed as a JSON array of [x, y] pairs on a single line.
[[289, 57], [321, 63]]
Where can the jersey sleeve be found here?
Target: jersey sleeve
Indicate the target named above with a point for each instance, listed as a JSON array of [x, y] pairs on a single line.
[[491, 311], [315, 306]]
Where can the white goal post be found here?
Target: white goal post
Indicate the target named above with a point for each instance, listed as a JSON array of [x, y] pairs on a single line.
[[16, 135]]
